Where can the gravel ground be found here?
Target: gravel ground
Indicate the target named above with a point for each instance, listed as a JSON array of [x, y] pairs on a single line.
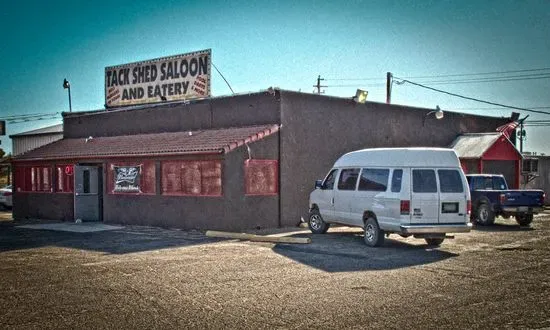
[[140, 277]]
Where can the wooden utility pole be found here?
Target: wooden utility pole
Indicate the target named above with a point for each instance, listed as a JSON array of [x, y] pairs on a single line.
[[318, 86], [388, 87]]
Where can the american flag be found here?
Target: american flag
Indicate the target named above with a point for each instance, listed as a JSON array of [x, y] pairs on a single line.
[[508, 128]]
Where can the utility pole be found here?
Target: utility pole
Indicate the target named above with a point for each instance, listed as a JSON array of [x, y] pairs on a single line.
[[389, 77], [522, 135], [318, 86]]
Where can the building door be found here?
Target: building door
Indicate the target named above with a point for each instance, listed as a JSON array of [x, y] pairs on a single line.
[[88, 192]]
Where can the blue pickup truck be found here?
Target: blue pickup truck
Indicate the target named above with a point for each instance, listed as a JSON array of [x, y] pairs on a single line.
[[491, 198]]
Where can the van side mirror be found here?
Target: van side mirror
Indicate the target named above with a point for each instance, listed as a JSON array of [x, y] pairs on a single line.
[[318, 184]]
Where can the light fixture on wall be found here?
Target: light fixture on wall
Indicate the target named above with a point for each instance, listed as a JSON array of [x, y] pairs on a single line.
[[67, 85], [360, 96], [438, 114]]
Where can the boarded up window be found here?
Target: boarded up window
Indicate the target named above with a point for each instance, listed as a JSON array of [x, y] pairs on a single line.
[[65, 178], [131, 177], [34, 179], [195, 178], [261, 177]]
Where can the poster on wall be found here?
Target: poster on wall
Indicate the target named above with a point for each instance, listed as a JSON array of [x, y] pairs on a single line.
[[126, 179], [173, 78]]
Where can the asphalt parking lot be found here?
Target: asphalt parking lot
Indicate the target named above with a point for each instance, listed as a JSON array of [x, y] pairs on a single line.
[[140, 277]]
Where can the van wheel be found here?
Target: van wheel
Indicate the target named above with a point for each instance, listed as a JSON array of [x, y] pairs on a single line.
[[484, 215], [434, 241], [316, 223], [374, 236], [524, 219]]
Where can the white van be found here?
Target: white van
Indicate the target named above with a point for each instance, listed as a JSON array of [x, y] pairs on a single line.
[[408, 191]]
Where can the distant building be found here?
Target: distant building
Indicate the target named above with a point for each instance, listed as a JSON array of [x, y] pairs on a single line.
[[536, 173], [228, 163], [30, 140]]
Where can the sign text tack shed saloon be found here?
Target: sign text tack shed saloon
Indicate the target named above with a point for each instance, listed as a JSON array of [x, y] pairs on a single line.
[[180, 77]]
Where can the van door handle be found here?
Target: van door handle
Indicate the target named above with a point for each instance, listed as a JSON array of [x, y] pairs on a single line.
[[332, 201]]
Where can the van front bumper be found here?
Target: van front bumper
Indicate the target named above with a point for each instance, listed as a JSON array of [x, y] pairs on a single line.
[[436, 229]]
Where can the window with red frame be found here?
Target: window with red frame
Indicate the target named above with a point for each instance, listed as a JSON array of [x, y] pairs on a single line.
[[195, 178], [64, 178], [34, 179], [261, 177], [131, 178]]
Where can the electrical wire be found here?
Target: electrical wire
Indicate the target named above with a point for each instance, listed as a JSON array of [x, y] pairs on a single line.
[[478, 74], [403, 81], [457, 75], [223, 78], [483, 80]]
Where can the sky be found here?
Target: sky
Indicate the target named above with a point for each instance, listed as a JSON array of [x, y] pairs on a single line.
[[285, 44]]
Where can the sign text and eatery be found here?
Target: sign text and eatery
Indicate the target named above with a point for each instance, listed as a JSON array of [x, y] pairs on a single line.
[[180, 77], [126, 179]]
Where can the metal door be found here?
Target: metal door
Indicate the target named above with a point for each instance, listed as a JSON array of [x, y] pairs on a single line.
[[87, 193], [424, 197], [325, 196]]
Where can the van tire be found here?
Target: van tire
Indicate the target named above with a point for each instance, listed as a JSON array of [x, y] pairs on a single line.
[[484, 215], [316, 223], [434, 241], [374, 236], [524, 219]]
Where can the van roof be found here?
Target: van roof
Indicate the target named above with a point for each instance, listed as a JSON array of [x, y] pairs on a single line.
[[400, 157]]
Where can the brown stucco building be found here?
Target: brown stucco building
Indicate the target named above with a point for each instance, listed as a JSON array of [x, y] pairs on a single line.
[[228, 163]]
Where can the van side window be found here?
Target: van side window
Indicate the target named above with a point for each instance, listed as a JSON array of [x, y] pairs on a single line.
[[396, 180], [348, 179], [329, 181], [450, 181], [424, 181], [374, 179]]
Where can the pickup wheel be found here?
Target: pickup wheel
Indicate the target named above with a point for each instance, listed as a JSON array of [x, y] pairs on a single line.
[[524, 219], [484, 215], [374, 236], [434, 241], [316, 223]]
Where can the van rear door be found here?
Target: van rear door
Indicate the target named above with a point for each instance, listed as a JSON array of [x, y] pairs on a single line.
[[424, 197], [452, 196]]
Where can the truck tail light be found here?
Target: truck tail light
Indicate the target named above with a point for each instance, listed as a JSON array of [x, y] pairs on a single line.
[[469, 207], [405, 207], [502, 198], [8, 193]]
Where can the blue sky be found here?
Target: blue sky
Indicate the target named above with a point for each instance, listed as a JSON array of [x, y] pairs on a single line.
[[280, 43]]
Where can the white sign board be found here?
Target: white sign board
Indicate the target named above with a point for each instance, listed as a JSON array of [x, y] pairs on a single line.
[[180, 77]]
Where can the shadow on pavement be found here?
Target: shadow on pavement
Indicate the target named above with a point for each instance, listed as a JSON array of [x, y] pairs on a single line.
[[499, 227], [127, 240], [344, 252]]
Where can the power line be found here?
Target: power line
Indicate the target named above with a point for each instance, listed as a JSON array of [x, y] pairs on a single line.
[[469, 98], [223, 77], [30, 115], [479, 74], [454, 75], [496, 108], [351, 79], [482, 80]]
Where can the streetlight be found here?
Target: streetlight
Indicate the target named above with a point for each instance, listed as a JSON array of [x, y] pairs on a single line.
[[67, 85], [438, 114]]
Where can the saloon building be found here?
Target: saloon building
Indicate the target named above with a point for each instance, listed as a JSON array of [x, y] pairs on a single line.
[[227, 163]]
